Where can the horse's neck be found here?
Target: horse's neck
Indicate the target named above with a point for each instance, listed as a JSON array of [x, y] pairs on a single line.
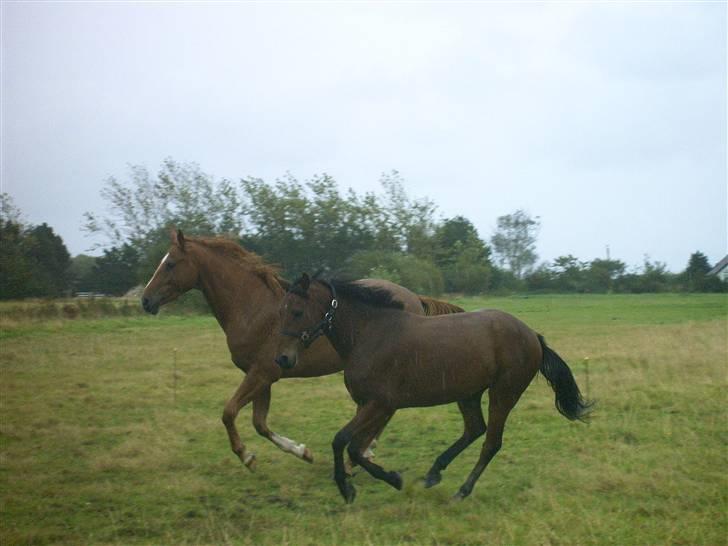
[[353, 320], [234, 293]]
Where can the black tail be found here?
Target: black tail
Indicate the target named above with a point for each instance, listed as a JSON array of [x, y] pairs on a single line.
[[569, 401]]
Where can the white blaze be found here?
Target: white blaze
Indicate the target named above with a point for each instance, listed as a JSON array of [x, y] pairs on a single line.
[[158, 268]]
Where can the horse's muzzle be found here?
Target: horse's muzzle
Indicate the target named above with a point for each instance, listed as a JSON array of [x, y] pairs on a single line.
[[284, 362], [149, 306]]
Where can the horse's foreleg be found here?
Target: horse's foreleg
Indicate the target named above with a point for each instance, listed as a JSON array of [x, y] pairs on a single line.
[[362, 438], [248, 390], [261, 405], [370, 443], [341, 440]]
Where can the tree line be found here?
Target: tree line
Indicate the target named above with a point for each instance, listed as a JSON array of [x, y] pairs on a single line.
[[305, 226]]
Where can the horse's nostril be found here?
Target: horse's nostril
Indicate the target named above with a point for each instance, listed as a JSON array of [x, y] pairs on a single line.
[[145, 302], [282, 361]]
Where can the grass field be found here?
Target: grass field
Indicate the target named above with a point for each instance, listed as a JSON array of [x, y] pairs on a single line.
[[96, 450]]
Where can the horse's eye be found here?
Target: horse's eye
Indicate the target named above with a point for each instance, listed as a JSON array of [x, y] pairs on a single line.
[[297, 314], [169, 265]]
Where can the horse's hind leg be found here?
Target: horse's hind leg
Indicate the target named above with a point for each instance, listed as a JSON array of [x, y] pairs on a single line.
[[362, 438], [474, 428], [261, 404], [502, 398]]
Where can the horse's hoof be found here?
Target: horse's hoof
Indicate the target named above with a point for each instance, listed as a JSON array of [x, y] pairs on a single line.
[[395, 480], [460, 495], [250, 461], [349, 493], [307, 455], [432, 480]]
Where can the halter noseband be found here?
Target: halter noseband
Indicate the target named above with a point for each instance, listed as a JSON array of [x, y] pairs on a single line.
[[308, 336]]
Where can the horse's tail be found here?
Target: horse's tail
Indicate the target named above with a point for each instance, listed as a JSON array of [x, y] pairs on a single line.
[[438, 307], [569, 401]]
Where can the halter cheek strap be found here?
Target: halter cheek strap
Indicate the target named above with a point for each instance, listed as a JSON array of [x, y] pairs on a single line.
[[309, 335]]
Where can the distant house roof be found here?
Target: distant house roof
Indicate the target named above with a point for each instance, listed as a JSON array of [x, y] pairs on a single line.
[[720, 266]]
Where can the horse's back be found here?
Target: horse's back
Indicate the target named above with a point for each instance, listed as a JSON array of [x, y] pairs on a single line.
[[439, 359], [409, 299], [497, 324], [496, 333]]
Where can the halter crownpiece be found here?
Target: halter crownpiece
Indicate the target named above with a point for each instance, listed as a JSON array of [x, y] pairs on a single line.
[[308, 336]]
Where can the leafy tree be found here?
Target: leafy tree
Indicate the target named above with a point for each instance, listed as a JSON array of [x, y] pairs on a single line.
[[307, 225], [654, 278], [81, 273], [541, 279], [462, 256], [15, 267], [299, 225], [602, 274], [49, 260], [141, 209], [8, 211], [696, 273], [453, 231], [304, 226], [514, 241], [34, 260], [504, 281], [410, 223], [470, 273], [116, 271], [569, 274]]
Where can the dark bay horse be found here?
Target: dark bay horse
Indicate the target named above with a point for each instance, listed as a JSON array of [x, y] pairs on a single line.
[[245, 294], [398, 360]]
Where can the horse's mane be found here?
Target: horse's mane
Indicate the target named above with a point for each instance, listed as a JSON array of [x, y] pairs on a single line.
[[438, 307], [378, 297], [231, 250]]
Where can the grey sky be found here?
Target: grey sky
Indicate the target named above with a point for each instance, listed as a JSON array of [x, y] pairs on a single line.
[[606, 120]]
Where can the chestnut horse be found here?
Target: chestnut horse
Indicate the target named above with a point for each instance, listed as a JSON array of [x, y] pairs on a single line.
[[398, 360], [244, 294]]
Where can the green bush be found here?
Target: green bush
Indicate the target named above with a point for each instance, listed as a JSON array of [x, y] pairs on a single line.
[[421, 276]]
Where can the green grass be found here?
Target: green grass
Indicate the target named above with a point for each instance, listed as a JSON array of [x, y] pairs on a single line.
[[94, 449]]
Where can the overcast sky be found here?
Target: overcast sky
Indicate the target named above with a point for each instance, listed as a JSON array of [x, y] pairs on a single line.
[[606, 120]]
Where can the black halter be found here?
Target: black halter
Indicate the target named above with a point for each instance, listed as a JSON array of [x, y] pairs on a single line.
[[308, 336]]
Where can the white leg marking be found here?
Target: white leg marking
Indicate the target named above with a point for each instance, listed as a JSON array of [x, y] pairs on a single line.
[[288, 445]]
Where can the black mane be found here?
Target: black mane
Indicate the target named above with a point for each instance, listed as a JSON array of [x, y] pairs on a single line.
[[378, 297]]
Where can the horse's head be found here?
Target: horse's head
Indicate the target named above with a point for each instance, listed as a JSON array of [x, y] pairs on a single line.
[[305, 314], [175, 275]]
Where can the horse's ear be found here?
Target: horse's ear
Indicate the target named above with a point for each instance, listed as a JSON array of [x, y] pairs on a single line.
[[305, 282], [177, 237]]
